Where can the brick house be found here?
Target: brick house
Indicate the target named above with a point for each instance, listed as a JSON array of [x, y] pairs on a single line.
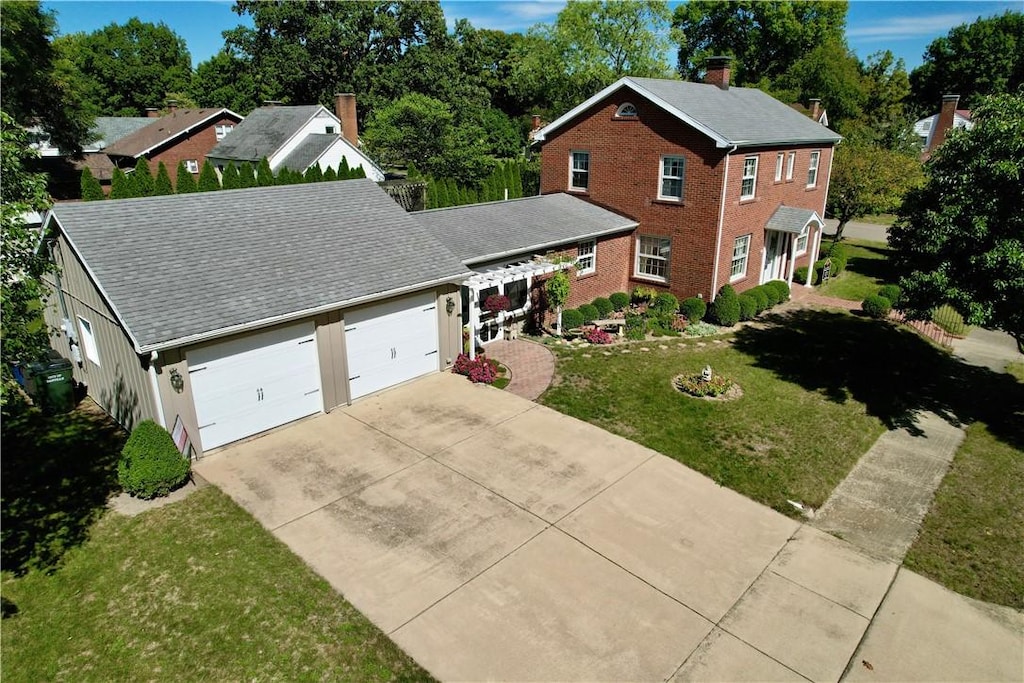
[[183, 135], [727, 185]]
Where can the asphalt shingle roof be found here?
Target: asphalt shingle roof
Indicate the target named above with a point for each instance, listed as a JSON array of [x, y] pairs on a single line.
[[790, 219], [308, 151], [486, 232], [106, 130], [161, 130], [263, 132], [184, 265]]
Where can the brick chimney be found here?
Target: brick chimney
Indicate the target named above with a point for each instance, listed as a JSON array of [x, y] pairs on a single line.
[[152, 113], [717, 71], [535, 122], [815, 109], [945, 120], [345, 110]]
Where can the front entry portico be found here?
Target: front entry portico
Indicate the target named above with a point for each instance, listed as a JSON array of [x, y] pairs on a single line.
[[788, 235]]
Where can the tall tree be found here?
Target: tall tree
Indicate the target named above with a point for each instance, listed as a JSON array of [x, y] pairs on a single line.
[[887, 88], [246, 175], [830, 72], [208, 181], [125, 68], [982, 58], [162, 183], [122, 186], [868, 179], [959, 238], [229, 178], [142, 178], [33, 91], [91, 189], [184, 182], [228, 80], [264, 176]]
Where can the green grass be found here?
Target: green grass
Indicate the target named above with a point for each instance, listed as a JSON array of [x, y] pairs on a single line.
[[504, 377], [193, 591], [950, 320], [878, 219], [1016, 370], [866, 270]]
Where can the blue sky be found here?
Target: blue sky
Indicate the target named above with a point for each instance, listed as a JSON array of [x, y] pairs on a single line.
[[906, 28]]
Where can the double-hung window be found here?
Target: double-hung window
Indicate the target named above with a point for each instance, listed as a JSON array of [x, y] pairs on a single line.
[[586, 257], [579, 170], [749, 185], [222, 131], [652, 255], [740, 251], [790, 160], [778, 166], [673, 172], [812, 169], [801, 240], [191, 165]]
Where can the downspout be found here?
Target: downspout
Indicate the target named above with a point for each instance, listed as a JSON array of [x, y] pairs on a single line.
[[721, 221], [153, 356]]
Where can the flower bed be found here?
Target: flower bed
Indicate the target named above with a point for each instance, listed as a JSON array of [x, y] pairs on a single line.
[[598, 336], [718, 386], [480, 370]]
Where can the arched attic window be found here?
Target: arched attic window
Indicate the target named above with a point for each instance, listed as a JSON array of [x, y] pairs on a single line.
[[626, 110]]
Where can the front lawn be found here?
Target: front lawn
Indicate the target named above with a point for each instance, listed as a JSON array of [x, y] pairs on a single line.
[[867, 269], [193, 591]]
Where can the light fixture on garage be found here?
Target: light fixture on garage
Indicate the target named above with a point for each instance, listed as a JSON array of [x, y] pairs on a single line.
[[177, 382], [449, 306]]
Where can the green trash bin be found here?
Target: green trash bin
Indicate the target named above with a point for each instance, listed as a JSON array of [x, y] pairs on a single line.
[[53, 384]]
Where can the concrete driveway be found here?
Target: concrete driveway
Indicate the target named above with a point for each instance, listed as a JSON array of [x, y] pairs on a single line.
[[493, 538]]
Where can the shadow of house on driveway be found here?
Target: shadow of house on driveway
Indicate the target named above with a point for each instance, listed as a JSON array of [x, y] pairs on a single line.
[[891, 370]]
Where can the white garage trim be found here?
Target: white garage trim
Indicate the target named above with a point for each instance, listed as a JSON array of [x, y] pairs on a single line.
[[254, 383]]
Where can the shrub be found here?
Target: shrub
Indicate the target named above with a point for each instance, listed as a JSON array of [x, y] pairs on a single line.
[[876, 306], [619, 300], [701, 329], [644, 295], [496, 302], [693, 308], [597, 336], [725, 309], [150, 464], [839, 255], [604, 306], [571, 318], [666, 303], [589, 313], [760, 297], [480, 370], [802, 273], [780, 287], [696, 385], [748, 306], [635, 327], [891, 292], [771, 293]]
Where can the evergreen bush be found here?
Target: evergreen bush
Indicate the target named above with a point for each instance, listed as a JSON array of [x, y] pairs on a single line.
[[589, 313], [620, 300], [162, 183], [876, 306], [693, 308], [892, 293], [150, 464], [781, 289], [725, 309], [142, 178], [771, 293], [184, 182], [635, 327], [91, 189], [604, 306], [571, 319], [748, 306], [208, 181], [665, 303], [760, 297]]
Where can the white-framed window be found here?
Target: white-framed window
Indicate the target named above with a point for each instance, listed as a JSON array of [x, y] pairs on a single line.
[[626, 110], [740, 252], [586, 257], [222, 130], [778, 166], [673, 173], [88, 340], [652, 255], [812, 169], [790, 160], [801, 240], [749, 185], [579, 170], [329, 130], [191, 165]]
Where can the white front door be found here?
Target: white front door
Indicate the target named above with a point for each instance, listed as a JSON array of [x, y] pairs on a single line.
[[391, 342], [254, 383], [774, 256]]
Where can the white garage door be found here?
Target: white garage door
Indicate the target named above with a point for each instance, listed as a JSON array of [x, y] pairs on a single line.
[[254, 383], [391, 342]]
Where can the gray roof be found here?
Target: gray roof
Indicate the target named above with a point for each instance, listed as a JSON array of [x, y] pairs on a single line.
[[791, 219], [487, 232], [107, 130], [184, 267], [308, 151], [263, 132], [745, 117]]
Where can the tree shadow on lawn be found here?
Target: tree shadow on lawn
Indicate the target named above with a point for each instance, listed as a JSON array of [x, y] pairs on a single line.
[[888, 368], [877, 268], [57, 474]]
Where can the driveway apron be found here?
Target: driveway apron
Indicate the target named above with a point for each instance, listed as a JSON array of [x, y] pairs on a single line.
[[495, 539]]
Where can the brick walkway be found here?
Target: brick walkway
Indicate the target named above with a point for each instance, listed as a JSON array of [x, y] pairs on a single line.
[[532, 365]]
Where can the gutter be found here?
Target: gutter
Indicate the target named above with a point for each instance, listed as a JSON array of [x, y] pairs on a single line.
[[547, 245], [721, 221]]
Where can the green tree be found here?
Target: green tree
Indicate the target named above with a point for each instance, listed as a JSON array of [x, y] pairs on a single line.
[[868, 179], [229, 178], [124, 68], [184, 182], [142, 178], [34, 92], [162, 184], [22, 262], [91, 189], [246, 175], [557, 289], [344, 172], [122, 186], [208, 181], [959, 238], [227, 80], [264, 176], [330, 174], [887, 90], [359, 172], [313, 174], [985, 57], [830, 72]]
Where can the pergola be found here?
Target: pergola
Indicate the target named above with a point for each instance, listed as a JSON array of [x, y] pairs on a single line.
[[499, 278]]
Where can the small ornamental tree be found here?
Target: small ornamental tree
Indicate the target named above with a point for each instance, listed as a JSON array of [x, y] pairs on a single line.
[[557, 289], [264, 176], [162, 183], [91, 189], [143, 178], [184, 182], [208, 181]]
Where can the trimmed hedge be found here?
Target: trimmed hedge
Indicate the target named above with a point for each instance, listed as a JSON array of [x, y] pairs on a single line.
[[693, 308], [589, 313], [604, 306], [876, 306], [892, 293], [748, 306], [666, 304], [150, 464], [636, 327], [802, 273], [725, 309], [771, 293], [781, 288], [620, 300], [760, 297], [571, 318]]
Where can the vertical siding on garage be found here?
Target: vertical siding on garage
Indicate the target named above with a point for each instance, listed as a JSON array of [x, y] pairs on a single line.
[[120, 384], [330, 342]]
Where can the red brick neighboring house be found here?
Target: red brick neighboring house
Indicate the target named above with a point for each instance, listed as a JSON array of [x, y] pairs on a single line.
[[727, 184], [182, 135]]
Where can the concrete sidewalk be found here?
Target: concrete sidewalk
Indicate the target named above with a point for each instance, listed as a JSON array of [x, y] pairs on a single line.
[[990, 349]]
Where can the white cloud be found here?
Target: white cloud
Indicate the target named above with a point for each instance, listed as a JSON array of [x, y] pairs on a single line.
[[897, 28], [501, 16]]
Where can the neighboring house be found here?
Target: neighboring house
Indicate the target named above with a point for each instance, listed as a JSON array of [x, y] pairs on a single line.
[[297, 138], [183, 135], [727, 185], [815, 111], [222, 314], [932, 131]]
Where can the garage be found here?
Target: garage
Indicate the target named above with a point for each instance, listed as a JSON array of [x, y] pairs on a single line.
[[253, 383], [391, 342]]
